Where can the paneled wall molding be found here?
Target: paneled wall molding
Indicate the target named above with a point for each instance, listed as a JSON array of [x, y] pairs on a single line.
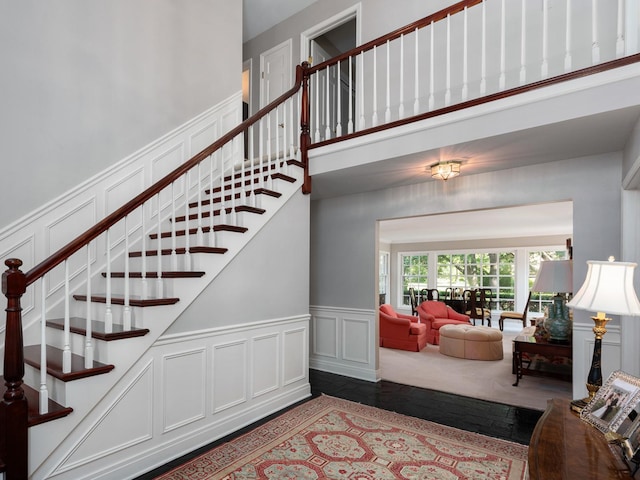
[[198, 388], [344, 341], [630, 212]]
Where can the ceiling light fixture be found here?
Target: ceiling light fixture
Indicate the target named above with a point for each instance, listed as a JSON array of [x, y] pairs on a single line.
[[445, 170]]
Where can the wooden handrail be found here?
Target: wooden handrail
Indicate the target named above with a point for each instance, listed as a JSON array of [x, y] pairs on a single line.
[[435, 17], [602, 67], [102, 226]]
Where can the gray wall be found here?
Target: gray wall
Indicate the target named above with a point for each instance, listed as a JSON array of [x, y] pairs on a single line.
[[87, 83], [268, 280], [343, 250]]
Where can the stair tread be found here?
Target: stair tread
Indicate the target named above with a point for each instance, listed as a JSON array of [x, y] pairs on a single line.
[[54, 363], [134, 300], [34, 417], [167, 274], [257, 191], [78, 325], [228, 210], [180, 251], [194, 231]]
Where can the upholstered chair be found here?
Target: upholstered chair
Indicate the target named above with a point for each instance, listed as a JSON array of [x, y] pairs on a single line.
[[401, 331], [435, 314]]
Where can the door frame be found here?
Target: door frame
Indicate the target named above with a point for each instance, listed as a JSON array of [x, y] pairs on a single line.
[[355, 11]]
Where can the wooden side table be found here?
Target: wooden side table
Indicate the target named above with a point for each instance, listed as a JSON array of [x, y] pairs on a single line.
[[563, 447], [546, 349]]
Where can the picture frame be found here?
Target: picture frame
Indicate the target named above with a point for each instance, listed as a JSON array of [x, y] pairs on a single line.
[[613, 402], [632, 434]]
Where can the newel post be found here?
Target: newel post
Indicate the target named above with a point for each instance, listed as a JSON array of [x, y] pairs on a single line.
[[13, 408], [305, 137]]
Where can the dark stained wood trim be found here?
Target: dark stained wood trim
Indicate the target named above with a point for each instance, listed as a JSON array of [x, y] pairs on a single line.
[[603, 67], [54, 364], [78, 326], [133, 301]]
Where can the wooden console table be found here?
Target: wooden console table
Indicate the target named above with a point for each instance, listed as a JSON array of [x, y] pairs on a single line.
[[563, 447], [546, 349]]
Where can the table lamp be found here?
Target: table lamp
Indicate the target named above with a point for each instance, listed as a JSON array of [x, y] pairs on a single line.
[[556, 276], [607, 288]]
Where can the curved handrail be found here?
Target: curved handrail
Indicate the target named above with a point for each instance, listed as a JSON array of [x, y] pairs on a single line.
[[102, 226]]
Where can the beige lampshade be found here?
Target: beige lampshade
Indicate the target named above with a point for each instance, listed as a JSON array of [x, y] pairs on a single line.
[[554, 276], [608, 288]]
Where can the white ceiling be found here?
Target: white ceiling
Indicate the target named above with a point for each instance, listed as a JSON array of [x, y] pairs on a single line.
[[513, 222], [259, 16]]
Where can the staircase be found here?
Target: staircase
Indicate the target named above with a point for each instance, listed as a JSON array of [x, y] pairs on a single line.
[[110, 294]]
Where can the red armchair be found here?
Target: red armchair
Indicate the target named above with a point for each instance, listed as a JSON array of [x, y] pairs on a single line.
[[435, 314], [401, 331]]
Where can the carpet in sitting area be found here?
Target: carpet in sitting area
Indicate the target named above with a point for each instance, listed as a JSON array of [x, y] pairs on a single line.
[[331, 438]]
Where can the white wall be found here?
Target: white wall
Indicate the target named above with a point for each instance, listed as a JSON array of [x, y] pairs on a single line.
[[87, 83], [269, 279]]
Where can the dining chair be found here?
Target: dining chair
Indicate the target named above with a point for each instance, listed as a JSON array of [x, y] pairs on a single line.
[[515, 315]]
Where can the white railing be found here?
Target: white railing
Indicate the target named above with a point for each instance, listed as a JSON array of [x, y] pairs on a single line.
[[118, 263], [470, 50]]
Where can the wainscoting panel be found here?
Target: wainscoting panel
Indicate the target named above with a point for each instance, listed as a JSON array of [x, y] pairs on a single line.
[[129, 185], [187, 391], [184, 401], [295, 363], [352, 333], [265, 366], [325, 336], [229, 375]]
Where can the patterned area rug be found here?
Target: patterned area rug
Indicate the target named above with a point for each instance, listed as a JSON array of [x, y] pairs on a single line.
[[334, 438]]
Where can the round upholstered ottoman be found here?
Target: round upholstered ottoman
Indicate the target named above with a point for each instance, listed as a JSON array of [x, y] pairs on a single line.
[[471, 342]]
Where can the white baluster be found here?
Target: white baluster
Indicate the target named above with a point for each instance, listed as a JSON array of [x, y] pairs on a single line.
[[544, 69], [401, 106], [66, 351], [503, 35], [361, 124], [260, 153], [159, 286], [88, 345], [387, 112], [327, 114], [374, 118], [483, 59], [567, 39], [350, 121], [126, 313], [143, 241], [44, 393], [595, 47], [318, 85], [187, 240], [431, 71], [267, 173], [523, 44], [620, 30], [339, 103], [212, 235], [416, 82], [252, 199], [447, 93], [108, 312], [174, 240], [292, 123], [199, 230], [465, 57]]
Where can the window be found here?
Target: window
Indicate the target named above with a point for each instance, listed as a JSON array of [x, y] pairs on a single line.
[[492, 270], [415, 274], [540, 300], [383, 277]]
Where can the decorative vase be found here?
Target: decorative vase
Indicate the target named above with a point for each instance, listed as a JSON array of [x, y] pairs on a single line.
[[558, 323]]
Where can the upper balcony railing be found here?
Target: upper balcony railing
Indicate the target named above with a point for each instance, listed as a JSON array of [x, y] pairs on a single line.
[[469, 53]]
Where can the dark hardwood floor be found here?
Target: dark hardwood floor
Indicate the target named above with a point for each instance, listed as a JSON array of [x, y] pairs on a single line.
[[488, 418]]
